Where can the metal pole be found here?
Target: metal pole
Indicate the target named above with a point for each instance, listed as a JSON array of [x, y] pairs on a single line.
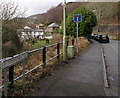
[[77, 38], [64, 33]]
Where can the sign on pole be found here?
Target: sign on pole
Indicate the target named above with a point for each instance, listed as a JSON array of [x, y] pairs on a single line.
[[77, 18]]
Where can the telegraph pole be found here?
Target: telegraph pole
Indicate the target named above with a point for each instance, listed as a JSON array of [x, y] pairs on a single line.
[[0, 55], [64, 32]]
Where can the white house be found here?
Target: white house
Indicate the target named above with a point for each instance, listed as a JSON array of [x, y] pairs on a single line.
[[28, 33]]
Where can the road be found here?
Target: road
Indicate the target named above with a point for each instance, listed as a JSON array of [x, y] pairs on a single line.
[[83, 76], [111, 52]]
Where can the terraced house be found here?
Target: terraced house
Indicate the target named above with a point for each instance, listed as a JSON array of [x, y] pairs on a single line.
[[52, 28]]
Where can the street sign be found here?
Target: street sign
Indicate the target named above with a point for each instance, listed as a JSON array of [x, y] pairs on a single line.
[[14, 60], [77, 18]]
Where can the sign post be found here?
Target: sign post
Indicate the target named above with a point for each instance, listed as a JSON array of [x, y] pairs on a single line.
[[77, 38], [77, 19]]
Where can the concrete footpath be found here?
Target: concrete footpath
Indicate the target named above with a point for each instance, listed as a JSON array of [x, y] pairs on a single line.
[[83, 76]]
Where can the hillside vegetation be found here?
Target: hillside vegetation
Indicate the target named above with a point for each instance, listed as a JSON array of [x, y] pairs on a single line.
[[107, 12]]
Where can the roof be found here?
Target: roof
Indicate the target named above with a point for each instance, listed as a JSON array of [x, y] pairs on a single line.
[[40, 24], [26, 27], [53, 25]]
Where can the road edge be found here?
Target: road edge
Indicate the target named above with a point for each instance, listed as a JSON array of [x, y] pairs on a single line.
[[106, 86]]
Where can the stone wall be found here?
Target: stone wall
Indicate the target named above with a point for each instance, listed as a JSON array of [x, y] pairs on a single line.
[[107, 28]]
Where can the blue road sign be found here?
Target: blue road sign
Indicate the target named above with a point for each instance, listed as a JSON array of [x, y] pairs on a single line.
[[77, 18]]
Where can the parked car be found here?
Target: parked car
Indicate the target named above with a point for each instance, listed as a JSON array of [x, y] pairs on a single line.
[[92, 36], [103, 38], [96, 37]]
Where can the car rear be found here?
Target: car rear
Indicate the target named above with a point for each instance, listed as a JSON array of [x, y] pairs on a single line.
[[103, 38]]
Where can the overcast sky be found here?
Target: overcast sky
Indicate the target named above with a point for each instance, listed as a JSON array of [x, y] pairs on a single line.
[[40, 6], [37, 6]]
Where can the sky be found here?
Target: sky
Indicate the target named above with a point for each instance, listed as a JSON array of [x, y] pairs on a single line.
[[39, 6]]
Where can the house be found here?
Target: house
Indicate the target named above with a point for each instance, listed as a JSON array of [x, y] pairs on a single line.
[[48, 36], [40, 26], [52, 28], [29, 33]]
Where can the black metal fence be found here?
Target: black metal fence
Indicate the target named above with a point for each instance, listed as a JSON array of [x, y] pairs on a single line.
[[42, 54]]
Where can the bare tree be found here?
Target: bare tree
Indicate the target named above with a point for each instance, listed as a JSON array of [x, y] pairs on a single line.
[[12, 19], [10, 10]]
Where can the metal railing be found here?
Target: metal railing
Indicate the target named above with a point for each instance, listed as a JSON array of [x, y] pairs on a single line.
[[9, 63]]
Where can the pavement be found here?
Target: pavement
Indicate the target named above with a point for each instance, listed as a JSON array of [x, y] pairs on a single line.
[[83, 76]]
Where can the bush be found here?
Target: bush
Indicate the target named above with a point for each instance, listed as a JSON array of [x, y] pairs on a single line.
[[89, 20], [10, 36], [47, 40], [9, 49]]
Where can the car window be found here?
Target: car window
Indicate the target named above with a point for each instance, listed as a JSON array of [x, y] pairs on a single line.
[[104, 35]]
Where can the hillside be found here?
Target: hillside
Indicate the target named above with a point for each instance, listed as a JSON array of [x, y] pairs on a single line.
[[54, 14], [107, 12]]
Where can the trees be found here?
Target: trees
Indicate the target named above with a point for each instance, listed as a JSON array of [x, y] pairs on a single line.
[[89, 20], [106, 12], [11, 21]]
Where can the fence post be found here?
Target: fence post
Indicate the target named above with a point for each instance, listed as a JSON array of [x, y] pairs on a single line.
[[11, 79], [44, 57], [23, 84], [73, 42], [67, 42], [5, 82], [58, 51]]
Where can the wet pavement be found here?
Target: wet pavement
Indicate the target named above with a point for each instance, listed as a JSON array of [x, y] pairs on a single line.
[[83, 76]]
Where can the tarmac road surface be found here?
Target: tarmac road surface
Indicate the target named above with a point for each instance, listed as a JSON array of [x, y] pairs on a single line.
[[111, 52]]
